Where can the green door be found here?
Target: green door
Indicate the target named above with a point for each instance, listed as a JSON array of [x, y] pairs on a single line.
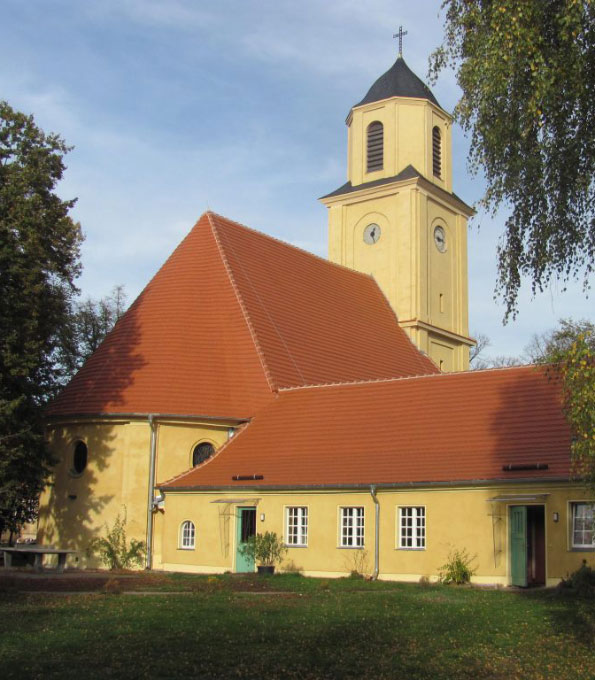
[[518, 545], [245, 527]]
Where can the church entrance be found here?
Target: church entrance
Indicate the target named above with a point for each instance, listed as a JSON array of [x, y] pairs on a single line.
[[527, 545], [245, 528]]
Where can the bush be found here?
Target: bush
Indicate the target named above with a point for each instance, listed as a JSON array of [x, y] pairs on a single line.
[[114, 550], [581, 581], [267, 549], [457, 569]]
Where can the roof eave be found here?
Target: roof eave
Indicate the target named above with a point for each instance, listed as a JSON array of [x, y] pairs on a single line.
[[367, 485]]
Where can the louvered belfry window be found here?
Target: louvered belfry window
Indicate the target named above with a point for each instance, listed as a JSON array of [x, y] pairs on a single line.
[[375, 146], [436, 152]]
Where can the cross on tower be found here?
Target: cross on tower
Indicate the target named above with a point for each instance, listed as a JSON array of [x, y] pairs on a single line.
[[400, 35]]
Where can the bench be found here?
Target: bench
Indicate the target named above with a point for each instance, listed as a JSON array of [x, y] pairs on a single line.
[[37, 551]]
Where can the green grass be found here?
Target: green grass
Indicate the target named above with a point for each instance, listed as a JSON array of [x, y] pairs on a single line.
[[314, 629]]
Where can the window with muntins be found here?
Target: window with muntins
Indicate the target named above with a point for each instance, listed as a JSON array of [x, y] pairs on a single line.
[[437, 152], [297, 526], [583, 529], [187, 533], [375, 155], [412, 528], [352, 527], [202, 452]]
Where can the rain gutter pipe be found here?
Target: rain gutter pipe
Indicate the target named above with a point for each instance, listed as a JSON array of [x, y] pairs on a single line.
[[376, 533], [149, 560]]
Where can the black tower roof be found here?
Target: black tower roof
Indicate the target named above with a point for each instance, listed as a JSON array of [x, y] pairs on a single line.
[[398, 81]]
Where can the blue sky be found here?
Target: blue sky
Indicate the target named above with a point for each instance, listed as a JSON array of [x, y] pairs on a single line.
[[176, 106]]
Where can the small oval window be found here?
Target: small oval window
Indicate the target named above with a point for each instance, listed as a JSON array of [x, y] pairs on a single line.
[[79, 460], [201, 453]]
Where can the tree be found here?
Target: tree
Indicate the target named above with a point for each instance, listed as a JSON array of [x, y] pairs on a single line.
[[526, 69], [574, 362], [90, 321], [569, 353], [558, 341], [39, 262], [478, 361]]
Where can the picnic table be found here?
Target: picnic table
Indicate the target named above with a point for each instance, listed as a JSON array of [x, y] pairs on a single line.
[[38, 551]]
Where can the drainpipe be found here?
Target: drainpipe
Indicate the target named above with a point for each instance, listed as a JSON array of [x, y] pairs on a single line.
[[376, 533], [149, 561]]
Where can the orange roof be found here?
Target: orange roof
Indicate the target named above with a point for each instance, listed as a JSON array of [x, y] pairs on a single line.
[[438, 428], [231, 317]]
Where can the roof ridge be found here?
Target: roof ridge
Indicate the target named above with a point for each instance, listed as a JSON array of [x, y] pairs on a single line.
[[263, 307], [373, 381], [267, 373], [290, 245]]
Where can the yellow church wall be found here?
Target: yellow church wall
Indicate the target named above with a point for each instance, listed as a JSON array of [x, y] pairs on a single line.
[[76, 508], [459, 518]]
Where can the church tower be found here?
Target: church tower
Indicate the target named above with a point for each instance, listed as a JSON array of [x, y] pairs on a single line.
[[397, 217]]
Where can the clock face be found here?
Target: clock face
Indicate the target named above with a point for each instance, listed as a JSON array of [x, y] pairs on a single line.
[[371, 234], [440, 239]]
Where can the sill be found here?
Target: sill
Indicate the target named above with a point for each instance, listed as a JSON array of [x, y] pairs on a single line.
[[410, 549], [351, 547], [294, 545], [180, 548], [582, 549], [74, 474]]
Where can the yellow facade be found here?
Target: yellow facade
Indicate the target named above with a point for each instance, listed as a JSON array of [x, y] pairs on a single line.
[[456, 518], [425, 285], [75, 508]]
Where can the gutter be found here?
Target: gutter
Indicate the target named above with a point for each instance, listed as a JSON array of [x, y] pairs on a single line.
[[363, 487], [376, 533], [150, 495]]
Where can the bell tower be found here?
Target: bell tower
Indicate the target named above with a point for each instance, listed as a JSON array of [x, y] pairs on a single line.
[[397, 217]]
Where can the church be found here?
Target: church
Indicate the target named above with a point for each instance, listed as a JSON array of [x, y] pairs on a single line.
[[253, 386]]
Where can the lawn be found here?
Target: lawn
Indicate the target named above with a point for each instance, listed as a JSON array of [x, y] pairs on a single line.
[[294, 627]]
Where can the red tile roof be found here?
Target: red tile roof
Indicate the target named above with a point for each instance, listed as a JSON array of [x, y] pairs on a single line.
[[440, 428], [232, 316]]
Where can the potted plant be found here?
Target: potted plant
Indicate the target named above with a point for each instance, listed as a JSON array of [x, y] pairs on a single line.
[[266, 549]]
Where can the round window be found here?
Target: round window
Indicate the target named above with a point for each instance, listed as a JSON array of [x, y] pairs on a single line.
[[79, 460], [201, 453]]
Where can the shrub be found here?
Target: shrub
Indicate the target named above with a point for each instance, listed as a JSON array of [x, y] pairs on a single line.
[[458, 568], [114, 550], [356, 562], [582, 581], [267, 549]]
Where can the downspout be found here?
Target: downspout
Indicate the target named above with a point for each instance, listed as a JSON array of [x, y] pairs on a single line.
[[376, 533], [149, 561]]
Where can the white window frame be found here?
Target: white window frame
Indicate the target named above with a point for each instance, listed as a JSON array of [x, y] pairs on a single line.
[[187, 535], [352, 526], [574, 507], [411, 527], [296, 526]]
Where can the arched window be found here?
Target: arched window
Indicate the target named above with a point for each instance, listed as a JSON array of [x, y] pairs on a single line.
[[375, 146], [202, 452], [79, 459], [436, 152], [187, 535]]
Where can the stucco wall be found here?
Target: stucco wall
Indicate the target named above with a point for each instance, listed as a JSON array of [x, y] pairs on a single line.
[[455, 519]]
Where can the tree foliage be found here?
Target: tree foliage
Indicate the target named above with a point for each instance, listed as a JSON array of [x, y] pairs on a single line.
[[527, 73], [90, 321], [570, 353], [39, 261]]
